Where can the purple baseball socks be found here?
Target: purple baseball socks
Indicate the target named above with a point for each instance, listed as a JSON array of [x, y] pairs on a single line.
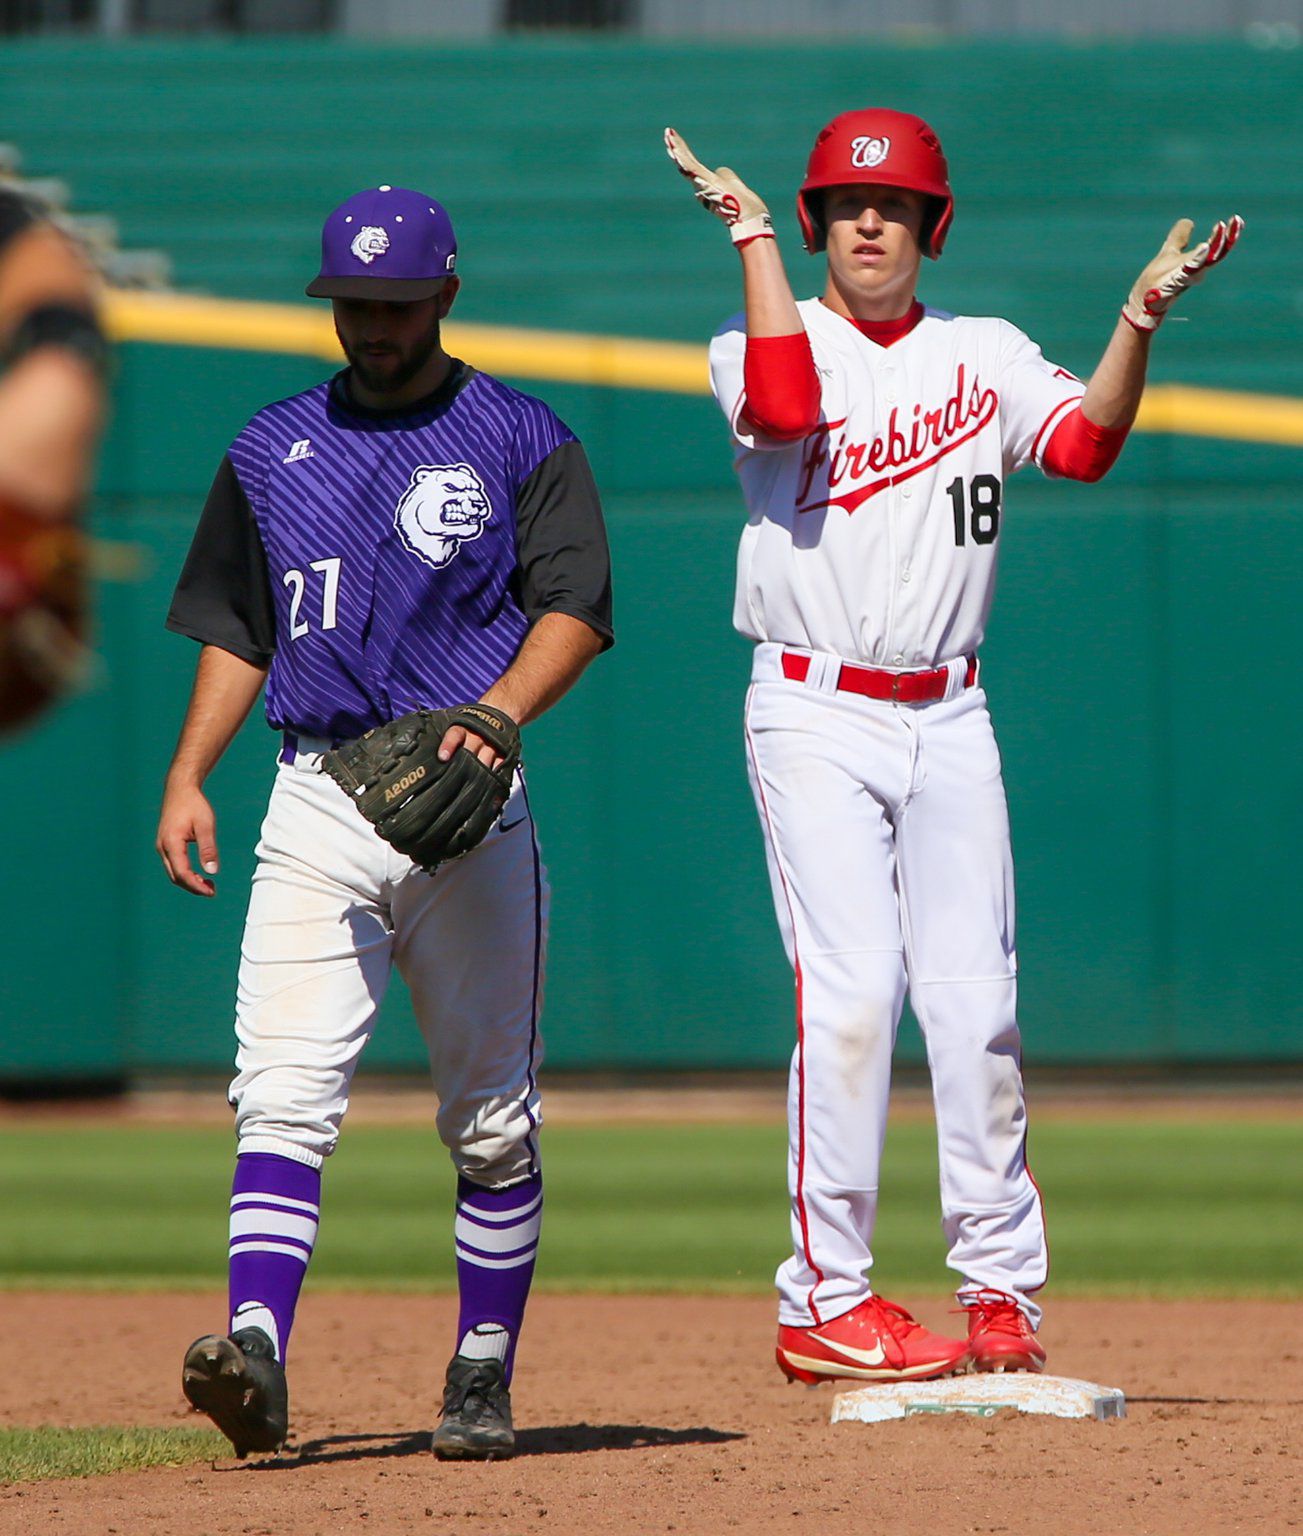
[[497, 1243], [275, 1205]]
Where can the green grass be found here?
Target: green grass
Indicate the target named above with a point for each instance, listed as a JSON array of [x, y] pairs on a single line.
[[1160, 1207], [27, 1455]]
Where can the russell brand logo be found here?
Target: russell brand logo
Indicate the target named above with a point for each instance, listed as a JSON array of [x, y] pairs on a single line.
[[836, 471]]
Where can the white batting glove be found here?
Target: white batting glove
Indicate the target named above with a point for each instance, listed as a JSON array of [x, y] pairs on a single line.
[[722, 193], [1175, 269]]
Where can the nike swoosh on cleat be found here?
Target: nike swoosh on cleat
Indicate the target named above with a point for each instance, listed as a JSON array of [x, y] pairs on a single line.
[[875, 1356], [817, 1366]]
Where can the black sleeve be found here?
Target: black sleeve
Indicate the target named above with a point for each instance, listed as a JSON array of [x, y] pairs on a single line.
[[15, 217], [223, 597], [565, 565]]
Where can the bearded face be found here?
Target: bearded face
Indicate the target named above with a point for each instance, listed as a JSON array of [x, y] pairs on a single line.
[[387, 344]]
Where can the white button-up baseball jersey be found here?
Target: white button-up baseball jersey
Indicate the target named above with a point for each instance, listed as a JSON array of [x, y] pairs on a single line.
[[876, 537]]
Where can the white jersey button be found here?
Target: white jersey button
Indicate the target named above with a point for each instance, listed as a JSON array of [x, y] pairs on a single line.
[[906, 574], [898, 659]]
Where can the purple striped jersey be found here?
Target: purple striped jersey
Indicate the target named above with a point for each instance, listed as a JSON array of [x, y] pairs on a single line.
[[385, 561]]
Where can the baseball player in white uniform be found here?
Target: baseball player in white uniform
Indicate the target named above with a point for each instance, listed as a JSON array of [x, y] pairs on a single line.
[[405, 535], [873, 438]]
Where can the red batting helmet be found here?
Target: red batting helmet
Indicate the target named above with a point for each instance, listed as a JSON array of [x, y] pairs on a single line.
[[894, 148]]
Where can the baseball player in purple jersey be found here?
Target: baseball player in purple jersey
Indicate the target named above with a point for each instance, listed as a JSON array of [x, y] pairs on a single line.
[[409, 534]]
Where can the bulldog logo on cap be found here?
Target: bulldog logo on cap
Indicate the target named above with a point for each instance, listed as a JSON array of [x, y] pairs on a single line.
[[369, 242], [408, 229]]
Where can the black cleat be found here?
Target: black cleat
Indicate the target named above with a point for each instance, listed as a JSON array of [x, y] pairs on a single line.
[[240, 1385], [476, 1423]]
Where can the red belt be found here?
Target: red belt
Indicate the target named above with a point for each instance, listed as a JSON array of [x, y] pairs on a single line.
[[873, 683]]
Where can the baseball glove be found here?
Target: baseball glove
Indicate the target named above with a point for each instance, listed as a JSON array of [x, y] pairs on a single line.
[[429, 809], [43, 611]]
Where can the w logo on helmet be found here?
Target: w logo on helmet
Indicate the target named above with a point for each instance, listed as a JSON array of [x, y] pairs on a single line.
[[868, 152]]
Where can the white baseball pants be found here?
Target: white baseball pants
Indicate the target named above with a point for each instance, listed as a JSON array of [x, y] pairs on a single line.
[[887, 838], [333, 906]]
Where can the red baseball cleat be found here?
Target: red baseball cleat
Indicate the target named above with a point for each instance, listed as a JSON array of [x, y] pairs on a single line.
[[999, 1336], [876, 1341]]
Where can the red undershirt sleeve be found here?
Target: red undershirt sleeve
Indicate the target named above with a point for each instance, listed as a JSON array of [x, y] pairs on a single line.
[[781, 386], [1079, 450]]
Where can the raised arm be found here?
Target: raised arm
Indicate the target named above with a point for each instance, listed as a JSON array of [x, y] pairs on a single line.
[[770, 307], [1087, 443], [225, 690], [782, 387], [1113, 395]]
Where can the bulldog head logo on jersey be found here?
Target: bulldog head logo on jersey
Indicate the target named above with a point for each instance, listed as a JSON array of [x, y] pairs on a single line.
[[868, 152], [369, 242], [443, 507]]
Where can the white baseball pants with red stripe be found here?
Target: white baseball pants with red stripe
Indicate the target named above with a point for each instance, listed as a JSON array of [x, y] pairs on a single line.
[[887, 837]]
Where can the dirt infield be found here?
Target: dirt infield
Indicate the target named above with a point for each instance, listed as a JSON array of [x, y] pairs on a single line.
[[664, 1414]]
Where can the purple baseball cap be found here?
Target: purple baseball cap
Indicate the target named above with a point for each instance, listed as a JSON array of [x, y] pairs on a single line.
[[386, 243]]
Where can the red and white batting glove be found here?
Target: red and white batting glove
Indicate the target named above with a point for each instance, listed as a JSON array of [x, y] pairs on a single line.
[[1175, 269], [722, 193]]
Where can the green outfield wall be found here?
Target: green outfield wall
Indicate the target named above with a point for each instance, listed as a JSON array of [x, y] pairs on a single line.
[[1140, 662]]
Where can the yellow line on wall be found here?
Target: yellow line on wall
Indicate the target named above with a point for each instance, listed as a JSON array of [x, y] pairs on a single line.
[[616, 362], [612, 362], [1179, 408]]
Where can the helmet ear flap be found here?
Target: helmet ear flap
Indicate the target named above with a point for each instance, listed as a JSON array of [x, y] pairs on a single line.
[[932, 212], [809, 213], [936, 225]]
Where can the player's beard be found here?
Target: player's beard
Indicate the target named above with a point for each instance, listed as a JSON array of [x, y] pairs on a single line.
[[389, 373]]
